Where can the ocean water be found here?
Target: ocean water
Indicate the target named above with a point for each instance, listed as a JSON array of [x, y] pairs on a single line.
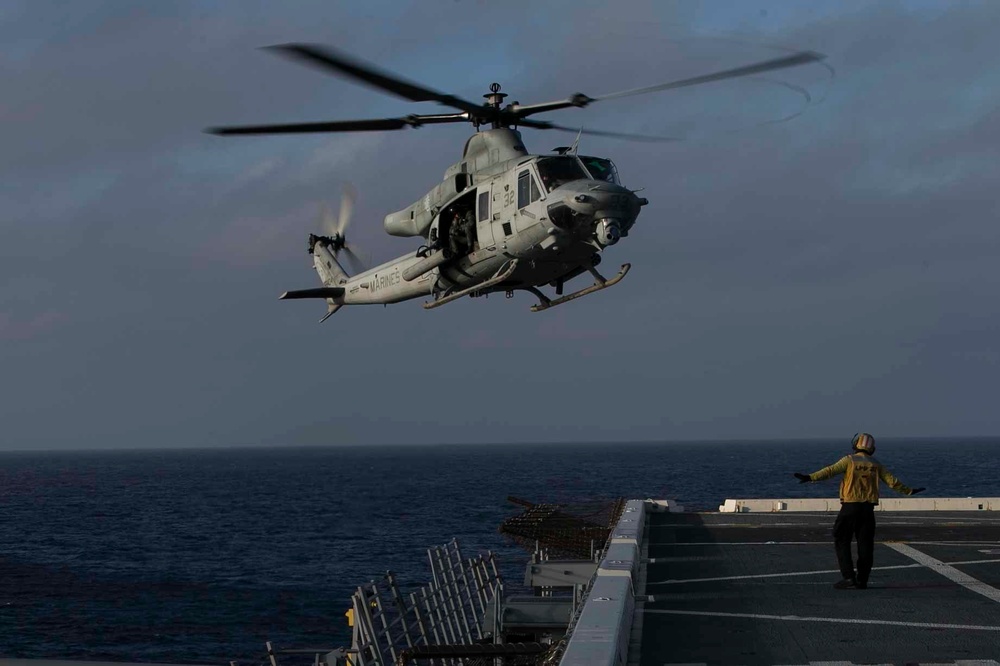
[[200, 556]]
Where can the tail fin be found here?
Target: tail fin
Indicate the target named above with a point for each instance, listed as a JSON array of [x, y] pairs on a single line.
[[327, 293], [320, 292], [330, 272], [330, 309]]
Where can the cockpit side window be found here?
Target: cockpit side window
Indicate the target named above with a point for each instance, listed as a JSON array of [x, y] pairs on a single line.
[[527, 189], [601, 169], [556, 171]]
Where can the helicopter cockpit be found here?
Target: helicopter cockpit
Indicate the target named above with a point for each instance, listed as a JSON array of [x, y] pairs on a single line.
[[556, 171], [601, 169]]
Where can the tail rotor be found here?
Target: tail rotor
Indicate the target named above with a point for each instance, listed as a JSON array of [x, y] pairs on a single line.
[[334, 231]]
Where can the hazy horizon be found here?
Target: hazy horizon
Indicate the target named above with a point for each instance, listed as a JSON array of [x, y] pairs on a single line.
[[831, 441]]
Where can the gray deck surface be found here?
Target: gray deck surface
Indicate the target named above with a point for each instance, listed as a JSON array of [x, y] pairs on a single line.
[[757, 611]]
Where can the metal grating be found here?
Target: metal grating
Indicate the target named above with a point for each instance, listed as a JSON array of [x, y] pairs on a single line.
[[563, 531]]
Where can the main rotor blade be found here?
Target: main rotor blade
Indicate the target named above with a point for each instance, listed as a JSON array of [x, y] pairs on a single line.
[[374, 125], [800, 58], [437, 118], [346, 208], [580, 100], [541, 124], [365, 125], [328, 59]]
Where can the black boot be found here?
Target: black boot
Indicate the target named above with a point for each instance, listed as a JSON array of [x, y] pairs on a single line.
[[846, 584]]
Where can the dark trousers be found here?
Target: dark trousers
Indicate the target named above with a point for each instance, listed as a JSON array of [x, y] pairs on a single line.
[[855, 520]]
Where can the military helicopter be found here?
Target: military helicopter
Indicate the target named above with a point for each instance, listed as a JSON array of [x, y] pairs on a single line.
[[501, 219]]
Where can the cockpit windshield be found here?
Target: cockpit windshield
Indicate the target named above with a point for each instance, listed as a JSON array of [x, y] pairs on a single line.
[[556, 171], [601, 169]]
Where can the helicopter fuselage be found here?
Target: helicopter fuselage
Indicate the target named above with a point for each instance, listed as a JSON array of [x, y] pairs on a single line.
[[552, 214]]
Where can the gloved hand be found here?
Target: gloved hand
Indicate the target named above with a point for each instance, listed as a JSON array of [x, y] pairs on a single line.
[[918, 490], [804, 478]]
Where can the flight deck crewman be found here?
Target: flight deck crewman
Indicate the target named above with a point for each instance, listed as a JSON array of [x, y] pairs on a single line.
[[858, 497]]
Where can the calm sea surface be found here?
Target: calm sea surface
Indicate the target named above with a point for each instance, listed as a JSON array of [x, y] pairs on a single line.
[[200, 556]]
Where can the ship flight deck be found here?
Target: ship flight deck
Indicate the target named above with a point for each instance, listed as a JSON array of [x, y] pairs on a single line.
[[753, 584]]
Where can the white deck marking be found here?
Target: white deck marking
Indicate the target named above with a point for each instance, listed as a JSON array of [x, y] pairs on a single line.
[[948, 571], [684, 558], [677, 581], [777, 522], [960, 662], [971, 544], [825, 542], [791, 520], [744, 543], [834, 620]]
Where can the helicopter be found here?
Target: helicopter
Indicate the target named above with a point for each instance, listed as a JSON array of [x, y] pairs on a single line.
[[501, 219]]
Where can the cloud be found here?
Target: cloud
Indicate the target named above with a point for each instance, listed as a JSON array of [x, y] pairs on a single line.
[[19, 329], [556, 328], [481, 339], [251, 241]]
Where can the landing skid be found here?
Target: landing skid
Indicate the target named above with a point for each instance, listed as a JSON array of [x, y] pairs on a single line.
[[500, 276], [545, 303]]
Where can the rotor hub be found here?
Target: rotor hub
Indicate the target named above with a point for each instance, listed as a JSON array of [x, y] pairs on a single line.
[[494, 97], [334, 242]]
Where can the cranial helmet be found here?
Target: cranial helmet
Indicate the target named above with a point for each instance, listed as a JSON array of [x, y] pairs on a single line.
[[864, 442]]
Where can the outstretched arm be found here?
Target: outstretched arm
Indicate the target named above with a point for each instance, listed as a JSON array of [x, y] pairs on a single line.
[[838, 467]]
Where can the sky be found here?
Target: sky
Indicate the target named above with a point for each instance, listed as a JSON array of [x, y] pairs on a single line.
[[811, 264]]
